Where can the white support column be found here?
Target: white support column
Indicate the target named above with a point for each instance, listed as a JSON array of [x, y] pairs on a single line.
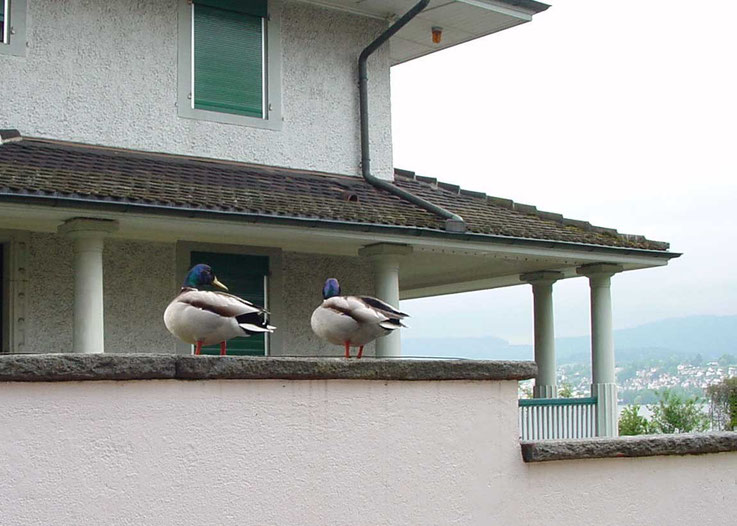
[[386, 258], [603, 381], [542, 290], [89, 326]]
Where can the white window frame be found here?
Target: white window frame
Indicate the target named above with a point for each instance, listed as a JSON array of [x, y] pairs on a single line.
[[14, 42], [272, 119]]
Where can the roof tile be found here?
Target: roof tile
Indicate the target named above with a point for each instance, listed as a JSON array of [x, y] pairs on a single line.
[[32, 167]]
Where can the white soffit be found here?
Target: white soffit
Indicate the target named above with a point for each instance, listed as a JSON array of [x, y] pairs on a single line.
[[460, 20]]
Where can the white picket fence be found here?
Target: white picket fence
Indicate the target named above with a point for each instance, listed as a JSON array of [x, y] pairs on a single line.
[[557, 418]]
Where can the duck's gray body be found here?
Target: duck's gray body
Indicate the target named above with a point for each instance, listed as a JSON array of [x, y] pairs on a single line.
[[212, 317], [356, 320]]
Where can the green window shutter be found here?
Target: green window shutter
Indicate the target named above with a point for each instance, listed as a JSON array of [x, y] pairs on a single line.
[[247, 7], [228, 61], [245, 277]]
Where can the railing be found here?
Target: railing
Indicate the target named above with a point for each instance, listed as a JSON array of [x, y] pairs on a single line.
[[553, 418]]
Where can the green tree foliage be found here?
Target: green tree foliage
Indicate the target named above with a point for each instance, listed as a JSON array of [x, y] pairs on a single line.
[[723, 404], [631, 423], [674, 414], [648, 396], [566, 390]]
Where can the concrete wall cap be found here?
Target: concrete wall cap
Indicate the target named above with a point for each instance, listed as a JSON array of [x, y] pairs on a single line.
[[73, 367], [634, 446]]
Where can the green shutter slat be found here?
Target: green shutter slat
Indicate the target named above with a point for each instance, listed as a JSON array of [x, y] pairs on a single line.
[[244, 277], [228, 62], [247, 7]]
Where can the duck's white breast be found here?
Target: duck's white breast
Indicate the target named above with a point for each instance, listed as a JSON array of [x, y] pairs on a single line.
[[192, 324]]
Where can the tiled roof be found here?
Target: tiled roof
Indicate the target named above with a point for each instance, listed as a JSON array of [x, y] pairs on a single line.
[[43, 168]]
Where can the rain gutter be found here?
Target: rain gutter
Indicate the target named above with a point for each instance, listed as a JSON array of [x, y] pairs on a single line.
[[453, 222]]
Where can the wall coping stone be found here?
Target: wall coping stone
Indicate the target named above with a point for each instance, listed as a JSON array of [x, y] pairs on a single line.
[[140, 366], [630, 446]]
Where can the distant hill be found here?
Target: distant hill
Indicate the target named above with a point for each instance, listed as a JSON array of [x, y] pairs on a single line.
[[711, 336]]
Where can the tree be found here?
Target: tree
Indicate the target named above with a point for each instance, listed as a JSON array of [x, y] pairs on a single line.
[[566, 390], [631, 423], [723, 404], [673, 414]]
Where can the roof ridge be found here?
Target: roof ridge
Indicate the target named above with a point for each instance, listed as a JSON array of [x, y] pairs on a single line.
[[525, 208]]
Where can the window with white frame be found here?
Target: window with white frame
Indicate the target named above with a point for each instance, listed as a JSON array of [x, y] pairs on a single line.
[[227, 62], [13, 27]]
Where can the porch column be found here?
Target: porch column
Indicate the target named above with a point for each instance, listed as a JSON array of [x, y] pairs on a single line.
[[542, 291], [386, 258], [88, 236], [603, 382]]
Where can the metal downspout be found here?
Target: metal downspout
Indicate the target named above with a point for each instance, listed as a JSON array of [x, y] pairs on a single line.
[[453, 222]]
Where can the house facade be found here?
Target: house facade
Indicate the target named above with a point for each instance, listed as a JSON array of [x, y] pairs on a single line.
[[140, 137], [119, 74]]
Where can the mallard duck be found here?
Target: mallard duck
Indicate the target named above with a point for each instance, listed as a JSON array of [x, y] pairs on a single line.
[[353, 321], [202, 317]]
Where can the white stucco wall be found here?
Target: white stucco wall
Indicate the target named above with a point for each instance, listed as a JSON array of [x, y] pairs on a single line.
[[319, 452], [105, 72], [139, 280]]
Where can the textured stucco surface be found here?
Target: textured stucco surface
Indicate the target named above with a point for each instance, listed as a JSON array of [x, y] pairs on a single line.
[[319, 452], [139, 283], [304, 277], [106, 73], [49, 304]]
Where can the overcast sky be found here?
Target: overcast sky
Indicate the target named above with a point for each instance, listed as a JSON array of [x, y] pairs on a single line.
[[621, 113]]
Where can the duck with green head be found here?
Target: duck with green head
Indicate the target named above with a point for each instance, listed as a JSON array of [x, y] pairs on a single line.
[[203, 317], [353, 321]]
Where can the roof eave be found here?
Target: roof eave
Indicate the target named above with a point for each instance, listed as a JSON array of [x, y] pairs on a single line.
[[328, 224]]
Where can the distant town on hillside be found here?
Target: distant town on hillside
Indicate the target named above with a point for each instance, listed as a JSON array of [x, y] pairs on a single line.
[[683, 354]]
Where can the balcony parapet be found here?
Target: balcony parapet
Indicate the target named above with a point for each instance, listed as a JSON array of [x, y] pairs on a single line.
[[143, 366], [631, 446]]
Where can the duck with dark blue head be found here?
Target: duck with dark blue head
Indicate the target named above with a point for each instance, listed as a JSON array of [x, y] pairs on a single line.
[[353, 321], [203, 317]]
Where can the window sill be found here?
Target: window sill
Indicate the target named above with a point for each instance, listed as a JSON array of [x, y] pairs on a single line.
[[186, 112]]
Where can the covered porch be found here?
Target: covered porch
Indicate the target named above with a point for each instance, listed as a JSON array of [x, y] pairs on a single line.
[[96, 242]]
